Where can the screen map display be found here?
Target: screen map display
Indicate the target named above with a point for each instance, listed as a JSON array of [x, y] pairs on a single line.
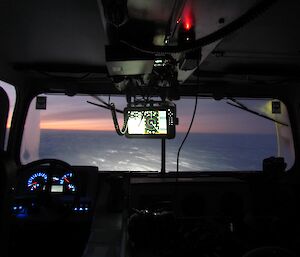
[[146, 122]]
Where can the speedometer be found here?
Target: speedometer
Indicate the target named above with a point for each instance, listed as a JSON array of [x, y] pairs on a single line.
[[37, 181]]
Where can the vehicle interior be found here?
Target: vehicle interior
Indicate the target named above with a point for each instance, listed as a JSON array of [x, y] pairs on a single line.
[[133, 128]]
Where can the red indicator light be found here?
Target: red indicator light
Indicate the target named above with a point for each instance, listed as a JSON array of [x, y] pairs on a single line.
[[187, 26], [187, 17]]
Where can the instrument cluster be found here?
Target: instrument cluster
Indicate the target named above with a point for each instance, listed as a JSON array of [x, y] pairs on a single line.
[[42, 181]]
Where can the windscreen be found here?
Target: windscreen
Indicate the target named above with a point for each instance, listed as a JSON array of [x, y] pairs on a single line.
[[222, 138]]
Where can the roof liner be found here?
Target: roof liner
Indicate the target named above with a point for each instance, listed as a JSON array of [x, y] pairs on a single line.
[[70, 34], [269, 44]]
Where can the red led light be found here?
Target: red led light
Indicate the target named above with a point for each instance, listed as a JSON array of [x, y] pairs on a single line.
[[187, 17], [187, 26]]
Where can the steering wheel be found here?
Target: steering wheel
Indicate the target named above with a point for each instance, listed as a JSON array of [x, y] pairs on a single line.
[[49, 205], [269, 251]]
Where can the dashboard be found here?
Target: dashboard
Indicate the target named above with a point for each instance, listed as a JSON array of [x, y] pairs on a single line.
[[54, 202], [57, 183], [55, 189]]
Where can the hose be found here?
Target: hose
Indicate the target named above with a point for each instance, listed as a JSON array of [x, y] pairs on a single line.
[[120, 132]]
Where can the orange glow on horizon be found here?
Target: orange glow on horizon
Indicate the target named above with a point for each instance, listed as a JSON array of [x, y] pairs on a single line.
[[107, 125], [92, 125]]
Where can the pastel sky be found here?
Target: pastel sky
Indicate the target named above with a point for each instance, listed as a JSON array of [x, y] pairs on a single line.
[[212, 116], [74, 113]]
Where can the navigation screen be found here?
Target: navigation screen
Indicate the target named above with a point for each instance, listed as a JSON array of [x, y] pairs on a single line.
[[146, 122]]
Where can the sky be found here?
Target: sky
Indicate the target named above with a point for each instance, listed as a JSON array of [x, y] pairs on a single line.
[[74, 113]]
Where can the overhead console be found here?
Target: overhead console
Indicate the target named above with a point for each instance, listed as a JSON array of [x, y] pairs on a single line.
[[145, 73], [158, 72], [124, 61]]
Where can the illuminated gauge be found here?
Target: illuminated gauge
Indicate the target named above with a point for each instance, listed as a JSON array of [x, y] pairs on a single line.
[[71, 188], [37, 181], [67, 181], [56, 180]]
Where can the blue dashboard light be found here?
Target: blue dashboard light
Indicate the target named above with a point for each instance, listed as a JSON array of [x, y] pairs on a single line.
[[80, 209], [75, 209], [36, 181], [20, 212], [86, 209], [22, 215]]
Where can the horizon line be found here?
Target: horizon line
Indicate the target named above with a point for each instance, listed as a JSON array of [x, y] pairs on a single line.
[[192, 132]]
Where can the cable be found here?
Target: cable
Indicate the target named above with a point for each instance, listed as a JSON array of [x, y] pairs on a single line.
[[179, 149], [112, 108], [191, 124], [181, 5], [187, 133], [120, 132], [235, 25], [104, 106], [101, 100]]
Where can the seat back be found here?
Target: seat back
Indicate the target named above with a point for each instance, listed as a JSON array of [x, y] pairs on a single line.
[[8, 170]]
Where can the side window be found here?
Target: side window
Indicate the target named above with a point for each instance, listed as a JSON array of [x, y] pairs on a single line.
[[11, 93]]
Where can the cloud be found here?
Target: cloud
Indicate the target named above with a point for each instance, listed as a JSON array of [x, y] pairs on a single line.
[[82, 114]]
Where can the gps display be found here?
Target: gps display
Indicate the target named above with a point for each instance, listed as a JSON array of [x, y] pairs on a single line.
[[150, 122]]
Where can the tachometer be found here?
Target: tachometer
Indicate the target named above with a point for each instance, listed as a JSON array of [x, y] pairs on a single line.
[[67, 181], [37, 181]]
